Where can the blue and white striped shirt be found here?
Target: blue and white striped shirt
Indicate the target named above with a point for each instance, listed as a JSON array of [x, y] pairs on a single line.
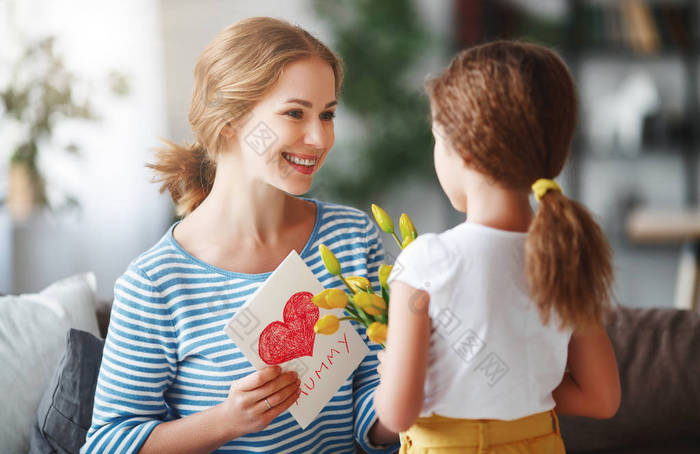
[[166, 355]]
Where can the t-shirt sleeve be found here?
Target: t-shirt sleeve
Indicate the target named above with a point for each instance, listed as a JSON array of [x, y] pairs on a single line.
[[138, 366], [420, 265]]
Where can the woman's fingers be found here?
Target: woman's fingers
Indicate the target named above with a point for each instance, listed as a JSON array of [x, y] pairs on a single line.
[[273, 386], [282, 399], [258, 379]]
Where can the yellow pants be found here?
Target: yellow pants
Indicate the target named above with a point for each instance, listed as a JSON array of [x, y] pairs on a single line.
[[534, 434]]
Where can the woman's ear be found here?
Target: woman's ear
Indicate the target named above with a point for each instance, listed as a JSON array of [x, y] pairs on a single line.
[[228, 131]]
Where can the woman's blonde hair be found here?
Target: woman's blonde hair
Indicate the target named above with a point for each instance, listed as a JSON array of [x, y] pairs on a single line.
[[232, 74], [511, 108]]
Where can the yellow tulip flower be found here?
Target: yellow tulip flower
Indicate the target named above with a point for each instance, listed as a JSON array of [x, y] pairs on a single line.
[[321, 300], [384, 272], [378, 301], [329, 260], [371, 310], [328, 324], [377, 332], [336, 299], [383, 219], [408, 230], [362, 299], [359, 283], [370, 303]]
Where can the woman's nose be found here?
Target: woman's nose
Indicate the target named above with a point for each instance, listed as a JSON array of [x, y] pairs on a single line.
[[317, 135]]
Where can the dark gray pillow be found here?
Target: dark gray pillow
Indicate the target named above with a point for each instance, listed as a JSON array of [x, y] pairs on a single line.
[[65, 410], [658, 357]]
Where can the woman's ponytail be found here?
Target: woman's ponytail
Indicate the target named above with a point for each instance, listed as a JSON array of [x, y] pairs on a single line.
[[186, 172], [568, 263]]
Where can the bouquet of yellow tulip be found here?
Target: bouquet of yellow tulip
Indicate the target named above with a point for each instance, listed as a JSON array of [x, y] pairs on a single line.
[[362, 304]]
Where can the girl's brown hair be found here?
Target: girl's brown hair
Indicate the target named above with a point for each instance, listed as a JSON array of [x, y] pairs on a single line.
[[232, 74], [511, 108]]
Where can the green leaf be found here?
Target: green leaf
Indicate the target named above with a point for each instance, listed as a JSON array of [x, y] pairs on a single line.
[[385, 295]]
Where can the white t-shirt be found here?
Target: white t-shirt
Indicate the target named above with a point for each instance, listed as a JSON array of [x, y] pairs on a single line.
[[490, 355]]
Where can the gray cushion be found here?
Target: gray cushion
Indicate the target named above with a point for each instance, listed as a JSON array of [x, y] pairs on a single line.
[[658, 357], [65, 411]]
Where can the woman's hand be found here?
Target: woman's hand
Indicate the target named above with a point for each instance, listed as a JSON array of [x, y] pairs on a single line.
[[245, 407]]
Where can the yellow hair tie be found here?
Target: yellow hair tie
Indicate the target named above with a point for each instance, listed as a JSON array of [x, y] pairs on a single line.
[[541, 186]]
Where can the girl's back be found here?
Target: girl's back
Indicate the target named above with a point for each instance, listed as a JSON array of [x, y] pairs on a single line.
[[490, 355]]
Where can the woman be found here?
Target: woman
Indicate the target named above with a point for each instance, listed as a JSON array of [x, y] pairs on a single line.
[[171, 381]]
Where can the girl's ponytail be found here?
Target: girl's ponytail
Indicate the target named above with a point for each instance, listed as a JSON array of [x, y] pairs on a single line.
[[186, 172], [568, 262]]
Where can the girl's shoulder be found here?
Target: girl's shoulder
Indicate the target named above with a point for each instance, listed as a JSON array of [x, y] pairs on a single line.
[[428, 255], [445, 251]]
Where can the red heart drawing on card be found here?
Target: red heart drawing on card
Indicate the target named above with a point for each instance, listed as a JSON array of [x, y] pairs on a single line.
[[293, 338]]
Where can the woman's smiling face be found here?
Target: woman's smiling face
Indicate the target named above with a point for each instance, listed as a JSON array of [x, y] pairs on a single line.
[[286, 138]]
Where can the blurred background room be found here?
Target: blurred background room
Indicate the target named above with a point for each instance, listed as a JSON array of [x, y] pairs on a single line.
[[88, 88]]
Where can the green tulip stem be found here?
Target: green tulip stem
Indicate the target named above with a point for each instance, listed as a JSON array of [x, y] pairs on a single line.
[[350, 310], [349, 318], [396, 237], [352, 290], [365, 318]]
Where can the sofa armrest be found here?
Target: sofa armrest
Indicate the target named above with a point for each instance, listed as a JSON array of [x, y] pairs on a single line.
[[658, 357]]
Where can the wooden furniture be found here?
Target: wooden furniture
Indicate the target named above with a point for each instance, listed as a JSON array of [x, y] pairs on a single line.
[[673, 226]]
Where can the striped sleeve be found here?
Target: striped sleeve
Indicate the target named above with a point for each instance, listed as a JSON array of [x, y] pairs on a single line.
[[366, 378], [138, 365]]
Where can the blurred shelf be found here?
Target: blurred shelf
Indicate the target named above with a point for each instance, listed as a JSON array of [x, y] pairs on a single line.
[[627, 57], [645, 155], [636, 33], [663, 225], [673, 226]]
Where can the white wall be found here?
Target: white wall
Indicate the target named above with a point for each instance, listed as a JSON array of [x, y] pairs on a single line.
[[122, 214]]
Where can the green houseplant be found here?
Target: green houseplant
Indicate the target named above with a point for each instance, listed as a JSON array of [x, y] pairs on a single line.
[[39, 95], [382, 44]]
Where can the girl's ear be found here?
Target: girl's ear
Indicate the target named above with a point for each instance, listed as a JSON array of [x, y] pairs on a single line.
[[466, 159]]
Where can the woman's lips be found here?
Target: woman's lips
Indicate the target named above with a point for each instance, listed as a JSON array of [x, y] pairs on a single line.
[[302, 163]]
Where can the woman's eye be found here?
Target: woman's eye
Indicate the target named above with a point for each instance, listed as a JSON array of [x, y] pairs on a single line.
[[298, 114], [328, 116]]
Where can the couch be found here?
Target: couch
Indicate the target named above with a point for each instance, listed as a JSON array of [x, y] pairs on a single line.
[[34, 330], [658, 357], [658, 354]]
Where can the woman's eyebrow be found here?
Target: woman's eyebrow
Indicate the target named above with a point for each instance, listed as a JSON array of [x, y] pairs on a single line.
[[308, 104]]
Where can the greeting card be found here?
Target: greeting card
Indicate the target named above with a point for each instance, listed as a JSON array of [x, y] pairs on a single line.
[[276, 327]]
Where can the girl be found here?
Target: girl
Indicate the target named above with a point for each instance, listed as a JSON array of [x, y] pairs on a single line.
[[171, 381], [497, 324]]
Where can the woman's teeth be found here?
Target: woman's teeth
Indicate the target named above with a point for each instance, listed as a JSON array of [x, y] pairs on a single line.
[[299, 161]]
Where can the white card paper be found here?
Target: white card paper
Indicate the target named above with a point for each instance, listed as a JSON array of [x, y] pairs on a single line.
[[276, 325]]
